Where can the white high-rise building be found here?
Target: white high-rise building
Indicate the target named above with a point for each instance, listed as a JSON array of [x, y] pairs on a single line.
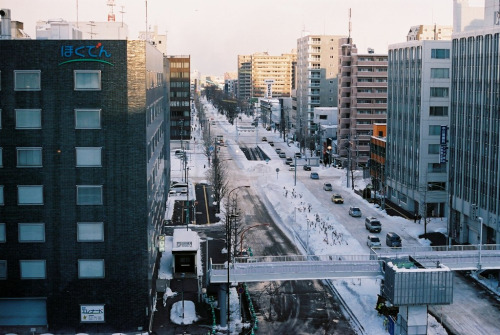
[[317, 83]]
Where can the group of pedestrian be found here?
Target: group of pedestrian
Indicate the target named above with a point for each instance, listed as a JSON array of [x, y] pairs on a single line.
[[416, 217]]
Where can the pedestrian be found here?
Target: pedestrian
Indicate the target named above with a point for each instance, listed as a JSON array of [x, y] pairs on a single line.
[[415, 218], [419, 218]]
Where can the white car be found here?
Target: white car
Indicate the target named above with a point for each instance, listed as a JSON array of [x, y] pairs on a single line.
[[373, 241], [354, 211], [327, 187]]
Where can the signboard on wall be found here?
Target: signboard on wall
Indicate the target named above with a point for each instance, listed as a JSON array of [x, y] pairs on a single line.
[[92, 313]]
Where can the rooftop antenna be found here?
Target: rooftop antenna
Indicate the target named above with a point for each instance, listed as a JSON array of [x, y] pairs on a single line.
[[147, 37], [91, 24], [122, 12], [111, 15], [350, 28]]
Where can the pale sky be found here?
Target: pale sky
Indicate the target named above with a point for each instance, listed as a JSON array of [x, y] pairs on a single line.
[[214, 32]]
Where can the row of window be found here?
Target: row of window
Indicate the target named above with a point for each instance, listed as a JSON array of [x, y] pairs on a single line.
[[37, 269], [31, 80], [35, 232], [32, 118], [33, 195], [32, 157]]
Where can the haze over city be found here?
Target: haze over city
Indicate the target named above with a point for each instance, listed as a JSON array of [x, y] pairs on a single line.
[[215, 32]]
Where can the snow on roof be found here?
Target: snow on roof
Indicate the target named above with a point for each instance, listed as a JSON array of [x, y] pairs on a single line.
[[186, 240]]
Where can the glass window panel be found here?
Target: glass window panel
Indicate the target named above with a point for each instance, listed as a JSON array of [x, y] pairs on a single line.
[[87, 118], [27, 80], [91, 268], [32, 269], [28, 118], [1, 195], [89, 195], [434, 130], [439, 92], [440, 73], [29, 157], [87, 80], [3, 269], [0, 116], [1, 157], [31, 232], [3, 237], [90, 231], [30, 195], [88, 156]]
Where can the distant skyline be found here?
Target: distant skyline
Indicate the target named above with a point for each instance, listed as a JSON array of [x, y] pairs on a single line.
[[215, 32]]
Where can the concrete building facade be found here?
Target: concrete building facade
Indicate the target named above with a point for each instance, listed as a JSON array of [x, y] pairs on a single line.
[[317, 70], [362, 102], [474, 162], [419, 82]]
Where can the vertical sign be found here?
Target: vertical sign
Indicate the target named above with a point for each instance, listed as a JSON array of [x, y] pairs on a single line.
[[443, 141]]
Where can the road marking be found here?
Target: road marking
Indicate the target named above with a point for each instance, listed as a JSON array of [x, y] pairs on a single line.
[[206, 204]]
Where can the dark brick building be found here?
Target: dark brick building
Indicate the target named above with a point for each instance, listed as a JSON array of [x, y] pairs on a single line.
[[84, 171], [180, 91]]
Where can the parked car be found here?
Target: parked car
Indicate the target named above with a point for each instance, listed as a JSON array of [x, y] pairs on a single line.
[[291, 168], [278, 150], [327, 187], [393, 240], [373, 224], [179, 152], [307, 168], [314, 175], [354, 211], [264, 139], [271, 143], [289, 161], [373, 241], [298, 155], [282, 155]]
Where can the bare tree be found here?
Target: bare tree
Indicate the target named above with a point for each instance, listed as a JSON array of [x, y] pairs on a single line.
[[218, 177]]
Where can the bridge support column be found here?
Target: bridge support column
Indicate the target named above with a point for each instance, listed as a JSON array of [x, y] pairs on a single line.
[[412, 320], [223, 291]]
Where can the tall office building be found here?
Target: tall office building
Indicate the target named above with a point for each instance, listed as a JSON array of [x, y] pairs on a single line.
[[254, 70], [317, 83], [474, 130], [179, 84], [417, 110], [362, 101], [244, 77], [84, 154]]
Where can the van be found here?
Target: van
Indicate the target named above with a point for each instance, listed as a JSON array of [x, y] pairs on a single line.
[[373, 225], [179, 188], [393, 240]]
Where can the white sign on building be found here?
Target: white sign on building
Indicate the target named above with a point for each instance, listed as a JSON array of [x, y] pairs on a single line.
[[92, 313]]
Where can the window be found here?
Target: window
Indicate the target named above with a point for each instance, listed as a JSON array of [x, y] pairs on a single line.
[[91, 268], [87, 118], [29, 157], [440, 73], [438, 111], [28, 118], [27, 80], [433, 149], [87, 80], [31, 232], [434, 130], [88, 195], [1, 159], [0, 118], [32, 269], [88, 156], [3, 269], [30, 195], [1, 195], [439, 92], [436, 167], [90, 232], [3, 236], [440, 53]]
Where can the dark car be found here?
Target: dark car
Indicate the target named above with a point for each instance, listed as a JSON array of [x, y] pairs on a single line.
[[307, 168]]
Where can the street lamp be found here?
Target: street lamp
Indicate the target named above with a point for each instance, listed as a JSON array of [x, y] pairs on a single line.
[[183, 275], [228, 239], [242, 235], [329, 155]]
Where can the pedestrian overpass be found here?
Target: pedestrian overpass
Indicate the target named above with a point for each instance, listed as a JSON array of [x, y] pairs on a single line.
[[310, 267]]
